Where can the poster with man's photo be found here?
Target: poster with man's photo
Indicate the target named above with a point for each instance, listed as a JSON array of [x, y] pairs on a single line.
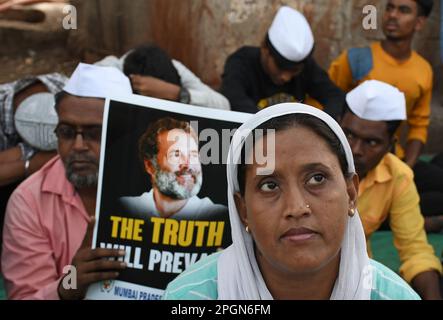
[[162, 193]]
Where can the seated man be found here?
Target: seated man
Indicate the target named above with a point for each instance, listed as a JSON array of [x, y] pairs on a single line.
[[48, 214], [281, 70], [387, 189], [18, 158], [169, 153], [394, 61], [154, 74]]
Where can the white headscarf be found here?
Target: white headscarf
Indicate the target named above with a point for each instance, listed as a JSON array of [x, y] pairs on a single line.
[[239, 276]]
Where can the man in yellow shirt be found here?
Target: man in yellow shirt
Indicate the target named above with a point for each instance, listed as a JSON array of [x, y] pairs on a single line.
[[387, 189], [393, 61]]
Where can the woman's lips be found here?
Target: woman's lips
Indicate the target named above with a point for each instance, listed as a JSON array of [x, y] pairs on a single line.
[[299, 234]]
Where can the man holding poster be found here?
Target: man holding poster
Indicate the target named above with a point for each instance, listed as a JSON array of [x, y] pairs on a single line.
[[152, 199], [47, 250], [169, 153]]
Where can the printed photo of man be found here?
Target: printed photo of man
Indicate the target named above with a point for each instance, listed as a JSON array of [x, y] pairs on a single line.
[[169, 153]]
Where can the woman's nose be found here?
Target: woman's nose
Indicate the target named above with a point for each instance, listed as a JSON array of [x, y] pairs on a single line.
[[296, 205]]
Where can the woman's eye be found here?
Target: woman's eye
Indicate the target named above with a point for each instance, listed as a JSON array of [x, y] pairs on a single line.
[[317, 179], [268, 186]]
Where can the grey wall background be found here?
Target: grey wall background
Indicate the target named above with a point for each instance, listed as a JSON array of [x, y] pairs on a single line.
[[202, 33]]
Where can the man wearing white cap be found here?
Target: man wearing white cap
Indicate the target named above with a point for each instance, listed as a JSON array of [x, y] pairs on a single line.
[[281, 70], [154, 74], [48, 214], [387, 189], [394, 61]]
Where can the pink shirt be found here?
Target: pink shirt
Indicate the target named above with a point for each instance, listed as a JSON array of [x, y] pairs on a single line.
[[44, 226]]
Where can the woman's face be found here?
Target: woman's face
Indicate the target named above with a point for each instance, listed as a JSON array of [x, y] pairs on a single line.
[[290, 237]]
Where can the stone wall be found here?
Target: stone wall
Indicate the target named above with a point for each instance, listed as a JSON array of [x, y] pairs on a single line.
[[202, 33]]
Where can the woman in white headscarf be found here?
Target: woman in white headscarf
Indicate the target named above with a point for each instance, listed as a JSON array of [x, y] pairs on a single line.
[[296, 231]]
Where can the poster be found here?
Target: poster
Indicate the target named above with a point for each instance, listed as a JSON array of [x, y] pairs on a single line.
[[162, 192]]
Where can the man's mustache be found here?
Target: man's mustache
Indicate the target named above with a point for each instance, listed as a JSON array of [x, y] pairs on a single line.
[[392, 21], [81, 158], [184, 172]]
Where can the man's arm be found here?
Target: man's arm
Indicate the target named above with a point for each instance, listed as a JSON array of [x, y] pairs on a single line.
[[12, 167], [413, 151], [28, 264], [92, 265], [427, 284], [235, 86], [153, 87], [418, 259], [321, 88], [201, 94], [10, 155], [340, 72], [418, 121]]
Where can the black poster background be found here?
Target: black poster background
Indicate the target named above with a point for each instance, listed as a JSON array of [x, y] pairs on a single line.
[[123, 175]]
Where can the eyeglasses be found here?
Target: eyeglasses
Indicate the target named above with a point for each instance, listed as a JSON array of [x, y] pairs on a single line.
[[69, 133]]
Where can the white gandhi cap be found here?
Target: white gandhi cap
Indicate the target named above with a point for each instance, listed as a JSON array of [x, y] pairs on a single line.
[[377, 101], [291, 35], [92, 81]]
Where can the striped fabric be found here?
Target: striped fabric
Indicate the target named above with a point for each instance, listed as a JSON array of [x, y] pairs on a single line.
[[389, 286], [199, 282], [8, 134]]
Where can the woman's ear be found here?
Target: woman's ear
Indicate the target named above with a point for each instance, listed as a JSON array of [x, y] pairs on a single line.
[[241, 207], [352, 189]]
